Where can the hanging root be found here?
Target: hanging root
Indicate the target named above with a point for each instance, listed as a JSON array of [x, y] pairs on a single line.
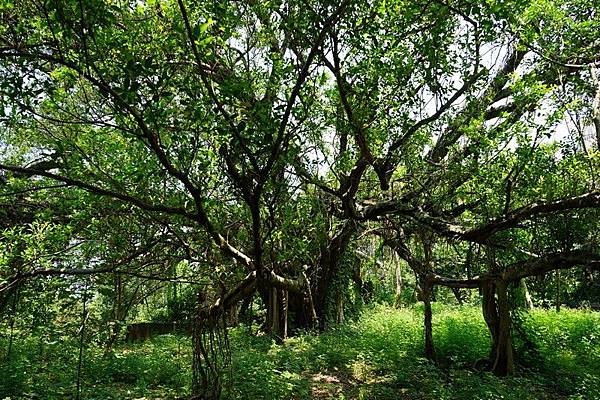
[[211, 358]]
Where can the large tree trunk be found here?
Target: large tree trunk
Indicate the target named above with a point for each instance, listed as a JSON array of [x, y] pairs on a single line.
[[277, 313], [496, 313], [328, 268], [503, 363], [294, 310], [425, 290]]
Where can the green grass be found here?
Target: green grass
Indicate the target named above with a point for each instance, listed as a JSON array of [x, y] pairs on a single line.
[[158, 368], [379, 356]]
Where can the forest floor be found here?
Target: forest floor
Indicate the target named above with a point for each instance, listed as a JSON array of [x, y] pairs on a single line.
[[377, 356]]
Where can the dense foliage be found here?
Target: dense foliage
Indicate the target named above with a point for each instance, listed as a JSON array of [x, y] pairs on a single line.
[[375, 357], [178, 166]]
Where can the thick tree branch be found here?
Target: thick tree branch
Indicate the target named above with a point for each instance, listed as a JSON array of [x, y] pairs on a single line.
[[550, 262], [142, 204], [510, 220], [532, 267]]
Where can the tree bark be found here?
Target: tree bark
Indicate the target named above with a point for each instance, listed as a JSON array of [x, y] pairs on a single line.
[[329, 264], [503, 363], [496, 313], [425, 290], [273, 318]]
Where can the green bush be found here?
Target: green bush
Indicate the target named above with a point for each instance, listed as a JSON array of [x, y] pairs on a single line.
[[378, 356], [461, 336]]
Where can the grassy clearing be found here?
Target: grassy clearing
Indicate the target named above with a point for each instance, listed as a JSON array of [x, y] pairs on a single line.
[[376, 357]]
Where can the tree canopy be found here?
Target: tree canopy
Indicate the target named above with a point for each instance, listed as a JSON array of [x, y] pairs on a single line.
[[269, 147]]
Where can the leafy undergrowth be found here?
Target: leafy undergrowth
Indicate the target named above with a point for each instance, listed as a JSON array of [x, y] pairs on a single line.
[[376, 357], [155, 369]]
